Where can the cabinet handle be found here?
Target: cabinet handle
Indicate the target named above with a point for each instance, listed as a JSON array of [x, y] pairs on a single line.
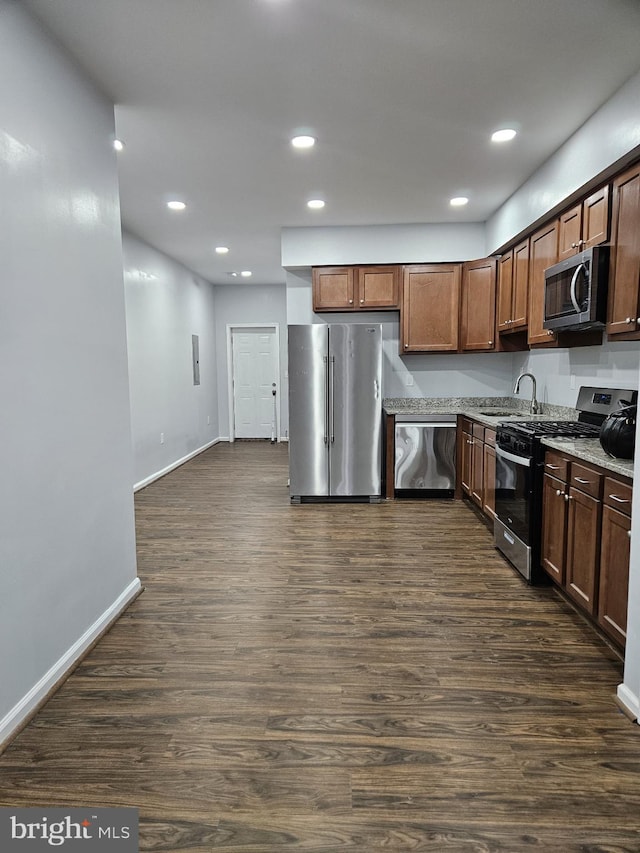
[[559, 492], [490, 343], [553, 467], [629, 320], [362, 302], [629, 534], [574, 245], [350, 301], [618, 500], [568, 497], [580, 480], [549, 331]]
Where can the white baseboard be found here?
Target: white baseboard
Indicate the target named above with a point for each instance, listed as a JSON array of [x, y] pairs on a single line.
[[630, 701], [148, 480], [20, 712]]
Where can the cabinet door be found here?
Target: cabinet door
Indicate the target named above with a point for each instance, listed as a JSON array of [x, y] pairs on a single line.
[[554, 527], [505, 290], [465, 467], [614, 574], [431, 307], [544, 253], [333, 288], [477, 471], [583, 549], [478, 315], [624, 272], [378, 287], [596, 216], [489, 491], [570, 232], [520, 304]]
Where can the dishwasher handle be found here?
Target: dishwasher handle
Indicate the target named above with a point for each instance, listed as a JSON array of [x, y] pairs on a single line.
[[427, 424]]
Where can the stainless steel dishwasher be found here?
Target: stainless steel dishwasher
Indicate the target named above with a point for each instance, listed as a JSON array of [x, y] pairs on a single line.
[[425, 455]]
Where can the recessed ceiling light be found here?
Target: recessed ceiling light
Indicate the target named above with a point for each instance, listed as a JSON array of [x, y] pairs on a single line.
[[459, 201], [222, 250], [176, 205], [504, 135], [315, 204], [118, 144], [303, 141], [246, 273]]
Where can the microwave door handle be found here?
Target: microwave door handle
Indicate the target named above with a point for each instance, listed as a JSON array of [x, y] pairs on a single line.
[[574, 280]]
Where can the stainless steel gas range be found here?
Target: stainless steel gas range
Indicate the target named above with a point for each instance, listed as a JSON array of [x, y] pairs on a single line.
[[519, 472]]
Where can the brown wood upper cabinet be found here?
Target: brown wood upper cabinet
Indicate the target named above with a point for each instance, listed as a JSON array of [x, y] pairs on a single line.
[[369, 288], [378, 288], [430, 307], [584, 225], [623, 311], [478, 316], [513, 288], [544, 253]]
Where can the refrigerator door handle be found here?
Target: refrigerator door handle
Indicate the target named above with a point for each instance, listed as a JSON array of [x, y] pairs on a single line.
[[332, 382], [326, 399]]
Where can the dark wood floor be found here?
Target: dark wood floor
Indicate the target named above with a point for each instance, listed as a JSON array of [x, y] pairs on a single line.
[[330, 678]]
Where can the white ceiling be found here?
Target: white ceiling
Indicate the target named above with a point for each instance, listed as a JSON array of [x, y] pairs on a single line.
[[402, 96]]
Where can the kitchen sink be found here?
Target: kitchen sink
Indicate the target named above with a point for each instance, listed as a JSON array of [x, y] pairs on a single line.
[[500, 414]]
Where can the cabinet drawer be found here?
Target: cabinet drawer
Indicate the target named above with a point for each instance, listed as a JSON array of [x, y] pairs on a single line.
[[466, 425], [586, 479], [478, 431], [617, 495], [490, 437], [556, 465]]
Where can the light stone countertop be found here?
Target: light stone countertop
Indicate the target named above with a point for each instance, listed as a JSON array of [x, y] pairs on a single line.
[[485, 410], [589, 450]]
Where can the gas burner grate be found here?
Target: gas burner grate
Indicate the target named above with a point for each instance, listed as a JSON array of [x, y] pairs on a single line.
[[566, 428]]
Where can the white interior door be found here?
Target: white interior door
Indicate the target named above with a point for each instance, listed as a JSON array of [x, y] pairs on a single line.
[[255, 373]]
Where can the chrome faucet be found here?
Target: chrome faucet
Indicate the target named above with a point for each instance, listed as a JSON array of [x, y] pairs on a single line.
[[535, 408]]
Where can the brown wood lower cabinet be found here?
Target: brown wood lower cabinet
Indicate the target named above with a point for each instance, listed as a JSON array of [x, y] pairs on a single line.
[[554, 527], [583, 548], [478, 465], [586, 519], [614, 559], [489, 501]]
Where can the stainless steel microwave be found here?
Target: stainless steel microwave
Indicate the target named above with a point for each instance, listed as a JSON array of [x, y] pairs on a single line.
[[575, 291]]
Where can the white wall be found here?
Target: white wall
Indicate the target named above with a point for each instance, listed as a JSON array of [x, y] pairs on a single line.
[[67, 546], [382, 244], [166, 304], [560, 373], [251, 304], [610, 134], [629, 690]]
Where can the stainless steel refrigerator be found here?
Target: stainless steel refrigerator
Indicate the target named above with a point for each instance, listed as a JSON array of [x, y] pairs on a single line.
[[335, 411]]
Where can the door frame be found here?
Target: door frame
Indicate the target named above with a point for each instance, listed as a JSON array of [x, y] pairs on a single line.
[[239, 327]]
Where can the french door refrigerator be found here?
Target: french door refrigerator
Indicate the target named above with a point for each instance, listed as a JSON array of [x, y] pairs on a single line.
[[335, 411]]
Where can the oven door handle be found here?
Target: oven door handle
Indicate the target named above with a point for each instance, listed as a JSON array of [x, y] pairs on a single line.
[[511, 457]]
